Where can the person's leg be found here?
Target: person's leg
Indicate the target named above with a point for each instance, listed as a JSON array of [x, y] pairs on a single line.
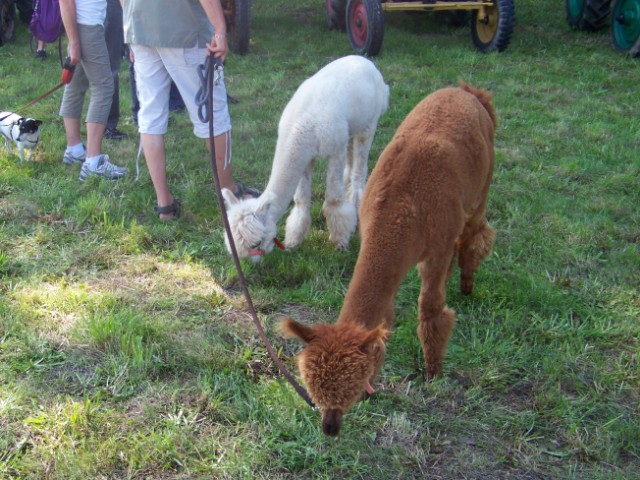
[[135, 104], [175, 100], [153, 84], [41, 50], [71, 111], [95, 62], [114, 37]]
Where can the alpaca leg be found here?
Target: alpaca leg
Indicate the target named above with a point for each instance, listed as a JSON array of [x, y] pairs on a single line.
[[474, 245], [341, 217], [299, 220], [360, 155], [435, 320]]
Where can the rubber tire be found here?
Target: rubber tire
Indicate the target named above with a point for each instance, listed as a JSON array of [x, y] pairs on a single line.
[[337, 14], [635, 50], [587, 15], [365, 26], [25, 10], [239, 26], [625, 24], [7, 21], [496, 34]]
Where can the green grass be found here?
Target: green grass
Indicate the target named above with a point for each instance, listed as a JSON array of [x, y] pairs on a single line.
[[126, 351]]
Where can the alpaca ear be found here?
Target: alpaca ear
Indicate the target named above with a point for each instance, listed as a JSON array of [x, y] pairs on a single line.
[[229, 197], [266, 200], [375, 338], [291, 328]]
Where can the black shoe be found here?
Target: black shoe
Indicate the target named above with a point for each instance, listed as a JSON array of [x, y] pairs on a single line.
[[114, 134], [41, 54]]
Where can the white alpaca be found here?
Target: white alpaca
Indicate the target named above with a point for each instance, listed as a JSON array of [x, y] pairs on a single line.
[[333, 114]]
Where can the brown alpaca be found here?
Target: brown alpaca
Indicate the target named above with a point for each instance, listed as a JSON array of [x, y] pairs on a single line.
[[424, 203]]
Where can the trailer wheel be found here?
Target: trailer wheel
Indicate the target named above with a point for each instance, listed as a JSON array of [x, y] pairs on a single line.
[[365, 26], [337, 14], [492, 28], [587, 15], [625, 24], [238, 17], [7, 21]]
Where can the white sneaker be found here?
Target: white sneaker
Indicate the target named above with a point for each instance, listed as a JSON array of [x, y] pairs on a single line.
[[105, 169]]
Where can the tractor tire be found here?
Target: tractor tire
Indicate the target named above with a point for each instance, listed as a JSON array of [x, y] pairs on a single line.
[[625, 24], [337, 14], [238, 17], [25, 10], [7, 21], [492, 32], [587, 15], [365, 26]]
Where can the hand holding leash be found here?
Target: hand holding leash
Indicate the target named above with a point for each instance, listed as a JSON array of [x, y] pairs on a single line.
[[67, 72]]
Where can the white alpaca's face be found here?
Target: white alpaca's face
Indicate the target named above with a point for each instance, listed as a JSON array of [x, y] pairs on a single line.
[[252, 232]]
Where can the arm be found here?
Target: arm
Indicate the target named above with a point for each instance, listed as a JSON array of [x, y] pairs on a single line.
[[68, 13], [218, 46]]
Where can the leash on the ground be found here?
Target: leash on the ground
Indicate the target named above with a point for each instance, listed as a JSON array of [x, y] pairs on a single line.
[[204, 100], [67, 75]]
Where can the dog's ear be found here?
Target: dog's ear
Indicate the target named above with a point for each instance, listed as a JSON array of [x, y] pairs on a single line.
[[21, 121], [38, 123], [291, 328], [229, 197]]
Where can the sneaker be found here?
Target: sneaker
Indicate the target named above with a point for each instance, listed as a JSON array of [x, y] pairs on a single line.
[[41, 54], [71, 159], [105, 169], [114, 134]]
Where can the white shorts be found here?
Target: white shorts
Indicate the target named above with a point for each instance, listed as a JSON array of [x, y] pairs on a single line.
[[155, 68]]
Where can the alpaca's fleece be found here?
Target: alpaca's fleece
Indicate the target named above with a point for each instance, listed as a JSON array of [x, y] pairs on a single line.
[[424, 204], [334, 115]]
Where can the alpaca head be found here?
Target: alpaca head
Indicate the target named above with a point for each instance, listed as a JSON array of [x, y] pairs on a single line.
[[252, 228], [336, 365]]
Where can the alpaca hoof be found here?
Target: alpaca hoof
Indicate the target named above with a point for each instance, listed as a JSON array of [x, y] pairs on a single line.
[[433, 371], [466, 287]]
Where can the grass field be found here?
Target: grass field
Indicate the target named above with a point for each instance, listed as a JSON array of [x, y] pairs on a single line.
[[125, 348]]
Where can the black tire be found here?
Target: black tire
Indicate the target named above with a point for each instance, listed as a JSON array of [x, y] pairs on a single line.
[[7, 21], [625, 24], [365, 26], [492, 31], [587, 15], [337, 14], [25, 10], [635, 50], [238, 16]]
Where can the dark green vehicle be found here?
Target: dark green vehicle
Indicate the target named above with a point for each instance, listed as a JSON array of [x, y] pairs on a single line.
[[622, 15]]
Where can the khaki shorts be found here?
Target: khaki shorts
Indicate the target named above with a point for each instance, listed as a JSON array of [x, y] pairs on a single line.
[[155, 67]]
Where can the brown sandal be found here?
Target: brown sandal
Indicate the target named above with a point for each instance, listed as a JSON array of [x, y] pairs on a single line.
[[175, 208]]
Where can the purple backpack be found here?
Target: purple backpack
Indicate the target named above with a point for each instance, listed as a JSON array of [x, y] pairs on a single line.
[[46, 21]]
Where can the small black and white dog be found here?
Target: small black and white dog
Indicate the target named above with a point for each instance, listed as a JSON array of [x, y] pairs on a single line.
[[24, 132]]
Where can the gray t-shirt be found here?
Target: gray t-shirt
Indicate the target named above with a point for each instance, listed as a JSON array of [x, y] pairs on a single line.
[[166, 23]]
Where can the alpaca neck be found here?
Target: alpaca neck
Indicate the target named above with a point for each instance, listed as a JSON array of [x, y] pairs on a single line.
[[287, 170], [372, 291]]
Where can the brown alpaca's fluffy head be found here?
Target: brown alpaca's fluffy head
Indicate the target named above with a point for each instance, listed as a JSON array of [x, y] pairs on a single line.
[[336, 365]]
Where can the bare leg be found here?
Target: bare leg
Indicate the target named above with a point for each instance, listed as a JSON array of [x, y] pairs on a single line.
[[154, 153], [222, 144]]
